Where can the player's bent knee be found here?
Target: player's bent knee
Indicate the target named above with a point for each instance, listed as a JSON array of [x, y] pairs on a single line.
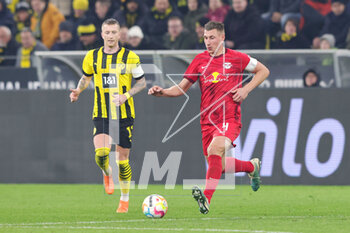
[[102, 158], [103, 151], [216, 150]]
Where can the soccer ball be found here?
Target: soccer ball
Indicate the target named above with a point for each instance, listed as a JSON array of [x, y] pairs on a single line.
[[154, 206]]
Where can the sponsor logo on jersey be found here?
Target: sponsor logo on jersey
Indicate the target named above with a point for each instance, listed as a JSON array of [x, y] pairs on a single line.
[[121, 65], [216, 77], [227, 65]]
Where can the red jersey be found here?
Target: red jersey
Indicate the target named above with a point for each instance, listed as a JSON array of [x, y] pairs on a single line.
[[218, 76]]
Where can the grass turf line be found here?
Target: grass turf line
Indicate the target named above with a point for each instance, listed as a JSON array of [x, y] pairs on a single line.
[[85, 208]]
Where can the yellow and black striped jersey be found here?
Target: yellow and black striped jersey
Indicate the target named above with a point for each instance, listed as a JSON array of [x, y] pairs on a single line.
[[112, 74]]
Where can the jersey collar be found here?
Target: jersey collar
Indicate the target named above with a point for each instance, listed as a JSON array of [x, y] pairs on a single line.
[[103, 51], [207, 53]]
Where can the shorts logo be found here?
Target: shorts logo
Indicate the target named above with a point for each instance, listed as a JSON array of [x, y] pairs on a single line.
[[227, 65]]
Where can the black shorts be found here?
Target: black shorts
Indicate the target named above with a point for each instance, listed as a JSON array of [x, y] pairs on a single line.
[[105, 126]]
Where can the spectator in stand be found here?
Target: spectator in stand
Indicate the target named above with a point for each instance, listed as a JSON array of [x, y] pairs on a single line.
[[116, 4], [88, 37], [80, 9], [244, 27], [45, 22], [180, 5], [327, 41], [123, 39], [131, 13], [25, 58], [313, 13], [137, 41], [311, 78], [135, 38], [280, 11], [8, 47], [196, 10], [156, 21], [22, 19], [200, 33], [11, 5], [178, 37], [6, 17], [67, 41], [103, 11], [291, 38], [217, 11], [337, 23]]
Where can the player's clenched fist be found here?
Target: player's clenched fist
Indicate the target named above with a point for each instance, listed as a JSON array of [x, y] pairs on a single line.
[[74, 95], [239, 95], [119, 100], [156, 91]]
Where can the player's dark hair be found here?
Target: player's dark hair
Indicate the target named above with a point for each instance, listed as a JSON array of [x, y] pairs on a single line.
[[111, 21], [211, 25], [293, 21]]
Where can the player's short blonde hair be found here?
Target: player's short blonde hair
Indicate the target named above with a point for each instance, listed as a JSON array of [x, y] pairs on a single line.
[[111, 21], [211, 25]]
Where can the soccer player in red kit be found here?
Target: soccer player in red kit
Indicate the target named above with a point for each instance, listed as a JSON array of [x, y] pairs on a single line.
[[219, 72]]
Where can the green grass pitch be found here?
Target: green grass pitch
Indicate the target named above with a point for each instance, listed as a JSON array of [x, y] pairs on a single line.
[[85, 208]]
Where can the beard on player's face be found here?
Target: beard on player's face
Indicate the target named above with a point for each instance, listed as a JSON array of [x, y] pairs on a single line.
[[213, 39], [112, 43], [110, 35]]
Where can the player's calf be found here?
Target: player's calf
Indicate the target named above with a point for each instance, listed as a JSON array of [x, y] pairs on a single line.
[[125, 174]]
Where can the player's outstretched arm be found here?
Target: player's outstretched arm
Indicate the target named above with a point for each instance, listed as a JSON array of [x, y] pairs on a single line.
[[82, 85], [261, 73], [138, 86], [173, 91]]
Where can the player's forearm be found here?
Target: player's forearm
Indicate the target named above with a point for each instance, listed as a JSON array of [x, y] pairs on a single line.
[[258, 78], [83, 83], [173, 91], [138, 86]]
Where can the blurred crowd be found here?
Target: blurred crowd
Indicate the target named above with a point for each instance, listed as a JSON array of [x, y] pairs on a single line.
[[32, 25]]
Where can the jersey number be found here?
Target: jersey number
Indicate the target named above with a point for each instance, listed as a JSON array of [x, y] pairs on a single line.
[[109, 80], [225, 126]]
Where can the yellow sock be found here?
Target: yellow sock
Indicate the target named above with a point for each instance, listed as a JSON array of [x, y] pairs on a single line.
[[102, 159], [124, 178]]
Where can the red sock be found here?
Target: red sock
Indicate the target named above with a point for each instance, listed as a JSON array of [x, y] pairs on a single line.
[[233, 165], [213, 175]]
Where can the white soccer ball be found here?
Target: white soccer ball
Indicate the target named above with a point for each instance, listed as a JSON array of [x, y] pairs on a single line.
[[154, 206]]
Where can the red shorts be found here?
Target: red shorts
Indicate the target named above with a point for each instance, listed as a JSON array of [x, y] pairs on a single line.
[[230, 129]]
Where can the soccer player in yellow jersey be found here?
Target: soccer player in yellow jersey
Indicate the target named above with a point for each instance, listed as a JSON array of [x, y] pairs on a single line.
[[113, 69]]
